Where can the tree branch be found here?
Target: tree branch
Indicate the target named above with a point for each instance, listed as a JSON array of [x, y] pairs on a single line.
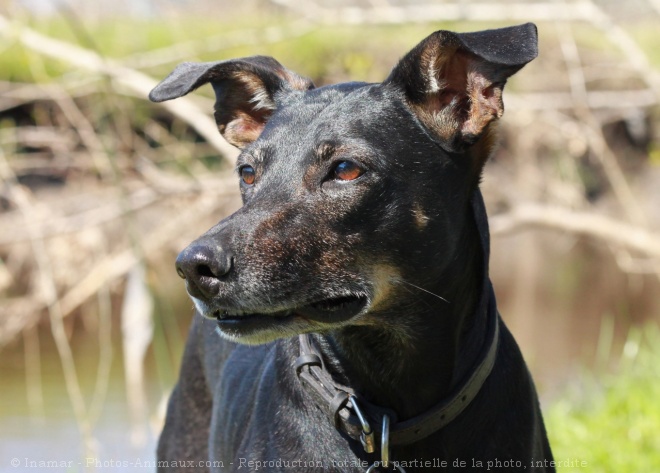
[[581, 223]]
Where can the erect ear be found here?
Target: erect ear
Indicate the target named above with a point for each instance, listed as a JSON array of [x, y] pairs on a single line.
[[453, 82], [245, 89]]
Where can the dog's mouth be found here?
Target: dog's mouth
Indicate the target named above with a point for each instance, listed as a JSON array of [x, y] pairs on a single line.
[[327, 311], [337, 309]]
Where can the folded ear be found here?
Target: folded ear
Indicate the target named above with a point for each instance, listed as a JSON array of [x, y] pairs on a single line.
[[246, 92], [453, 82]]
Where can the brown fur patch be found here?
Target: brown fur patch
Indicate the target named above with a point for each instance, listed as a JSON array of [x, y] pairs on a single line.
[[383, 278], [242, 129], [421, 219], [461, 98], [246, 105], [243, 109]]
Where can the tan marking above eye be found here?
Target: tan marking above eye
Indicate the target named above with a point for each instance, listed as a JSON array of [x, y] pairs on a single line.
[[421, 219]]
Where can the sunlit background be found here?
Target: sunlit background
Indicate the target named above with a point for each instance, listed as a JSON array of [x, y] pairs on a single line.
[[100, 190]]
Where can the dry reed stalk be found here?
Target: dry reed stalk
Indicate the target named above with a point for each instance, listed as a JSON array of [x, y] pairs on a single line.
[[592, 129], [47, 283]]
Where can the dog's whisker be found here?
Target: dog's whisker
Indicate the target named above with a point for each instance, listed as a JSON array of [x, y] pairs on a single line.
[[424, 290], [410, 291]]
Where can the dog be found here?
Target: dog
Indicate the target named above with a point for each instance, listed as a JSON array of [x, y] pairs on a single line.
[[348, 320]]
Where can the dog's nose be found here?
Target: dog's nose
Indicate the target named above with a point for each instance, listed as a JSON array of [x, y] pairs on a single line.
[[203, 266]]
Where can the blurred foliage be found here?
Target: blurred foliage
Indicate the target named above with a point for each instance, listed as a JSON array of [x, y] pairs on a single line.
[[361, 52], [319, 53], [612, 421]]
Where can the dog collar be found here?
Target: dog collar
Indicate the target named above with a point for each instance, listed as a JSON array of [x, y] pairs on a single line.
[[354, 415]]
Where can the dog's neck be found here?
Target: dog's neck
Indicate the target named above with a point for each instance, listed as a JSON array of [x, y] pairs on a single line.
[[412, 368]]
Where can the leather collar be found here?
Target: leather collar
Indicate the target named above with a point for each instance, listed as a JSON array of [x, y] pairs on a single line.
[[338, 400]]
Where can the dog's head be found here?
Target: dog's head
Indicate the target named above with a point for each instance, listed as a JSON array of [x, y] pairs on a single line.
[[352, 193]]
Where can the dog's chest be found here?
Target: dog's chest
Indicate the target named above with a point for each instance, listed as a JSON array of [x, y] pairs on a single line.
[[260, 422]]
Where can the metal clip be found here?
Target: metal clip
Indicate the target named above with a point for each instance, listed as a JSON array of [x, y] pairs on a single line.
[[367, 435], [367, 440], [385, 450]]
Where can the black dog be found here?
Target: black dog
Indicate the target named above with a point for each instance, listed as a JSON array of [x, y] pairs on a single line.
[[358, 265]]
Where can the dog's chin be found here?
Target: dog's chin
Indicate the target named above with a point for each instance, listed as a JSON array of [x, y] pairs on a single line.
[[263, 326]]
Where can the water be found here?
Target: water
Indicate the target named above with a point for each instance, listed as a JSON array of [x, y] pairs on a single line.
[[33, 432]]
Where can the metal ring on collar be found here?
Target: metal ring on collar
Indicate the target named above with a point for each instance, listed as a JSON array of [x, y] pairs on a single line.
[[385, 442]]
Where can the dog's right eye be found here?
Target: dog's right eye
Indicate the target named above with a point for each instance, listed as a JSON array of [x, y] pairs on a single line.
[[247, 174], [347, 171]]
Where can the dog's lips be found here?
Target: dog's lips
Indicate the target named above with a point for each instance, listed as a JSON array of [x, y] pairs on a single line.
[[337, 309], [327, 311], [236, 324], [230, 317]]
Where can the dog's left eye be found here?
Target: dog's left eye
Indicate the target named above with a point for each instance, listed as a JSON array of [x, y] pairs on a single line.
[[347, 171], [247, 174]]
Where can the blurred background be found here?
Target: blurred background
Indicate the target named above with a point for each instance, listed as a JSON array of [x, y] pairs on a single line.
[[100, 190]]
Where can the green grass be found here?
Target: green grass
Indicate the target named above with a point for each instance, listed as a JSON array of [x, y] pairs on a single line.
[[612, 422]]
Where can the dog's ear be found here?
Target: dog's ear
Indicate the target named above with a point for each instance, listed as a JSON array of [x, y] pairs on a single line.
[[453, 82], [245, 89]]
